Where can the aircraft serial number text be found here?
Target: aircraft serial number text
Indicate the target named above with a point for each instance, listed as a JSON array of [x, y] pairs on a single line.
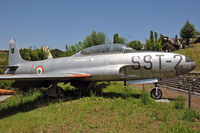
[[149, 64]]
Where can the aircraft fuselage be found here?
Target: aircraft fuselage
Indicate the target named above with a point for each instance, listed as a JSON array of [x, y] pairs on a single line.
[[119, 66]]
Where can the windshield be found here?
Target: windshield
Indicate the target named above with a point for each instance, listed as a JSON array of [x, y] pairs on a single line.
[[105, 49]]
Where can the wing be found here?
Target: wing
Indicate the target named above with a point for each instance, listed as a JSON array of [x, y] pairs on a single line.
[[127, 73], [63, 76]]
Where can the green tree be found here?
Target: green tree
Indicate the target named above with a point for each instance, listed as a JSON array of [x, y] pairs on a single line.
[[33, 54], [56, 53], [95, 38], [151, 36], [73, 49], [149, 45], [155, 36], [25, 53], [150, 42], [115, 38], [119, 40], [154, 44], [3, 62], [176, 39], [188, 30], [137, 45], [161, 36], [158, 45], [66, 47]]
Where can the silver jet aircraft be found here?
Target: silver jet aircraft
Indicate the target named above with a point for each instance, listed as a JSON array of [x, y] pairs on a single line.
[[107, 62]]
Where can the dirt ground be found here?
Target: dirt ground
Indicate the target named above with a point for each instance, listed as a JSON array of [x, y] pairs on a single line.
[[173, 94]]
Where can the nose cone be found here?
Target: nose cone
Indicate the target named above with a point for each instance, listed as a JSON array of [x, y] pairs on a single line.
[[191, 63], [187, 66], [193, 66]]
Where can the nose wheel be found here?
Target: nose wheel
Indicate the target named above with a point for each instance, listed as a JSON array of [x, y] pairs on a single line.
[[156, 93]]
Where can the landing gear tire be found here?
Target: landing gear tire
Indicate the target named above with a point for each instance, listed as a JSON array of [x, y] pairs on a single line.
[[55, 91], [84, 87], [59, 92], [156, 93]]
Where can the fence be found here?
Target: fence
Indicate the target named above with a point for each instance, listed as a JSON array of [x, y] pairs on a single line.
[[183, 83]]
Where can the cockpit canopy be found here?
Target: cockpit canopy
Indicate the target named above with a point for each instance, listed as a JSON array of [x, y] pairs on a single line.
[[106, 48]]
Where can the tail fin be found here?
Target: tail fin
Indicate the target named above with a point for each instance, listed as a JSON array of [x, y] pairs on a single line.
[[14, 55]]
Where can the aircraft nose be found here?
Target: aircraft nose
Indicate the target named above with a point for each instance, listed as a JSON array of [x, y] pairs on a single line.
[[193, 66], [191, 62], [186, 67]]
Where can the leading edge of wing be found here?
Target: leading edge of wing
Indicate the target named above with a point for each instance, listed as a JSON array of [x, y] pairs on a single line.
[[43, 76]]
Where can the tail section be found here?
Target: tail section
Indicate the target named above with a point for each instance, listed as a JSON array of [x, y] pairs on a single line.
[[14, 55]]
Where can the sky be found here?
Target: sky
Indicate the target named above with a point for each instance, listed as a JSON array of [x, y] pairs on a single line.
[[56, 23]]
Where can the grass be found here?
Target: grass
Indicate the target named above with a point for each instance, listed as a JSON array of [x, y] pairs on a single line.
[[179, 103], [192, 52], [190, 115], [3, 55], [3, 58], [116, 109], [3, 61]]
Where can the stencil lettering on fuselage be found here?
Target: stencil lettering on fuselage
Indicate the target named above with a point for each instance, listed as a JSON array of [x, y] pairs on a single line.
[[148, 64], [179, 61]]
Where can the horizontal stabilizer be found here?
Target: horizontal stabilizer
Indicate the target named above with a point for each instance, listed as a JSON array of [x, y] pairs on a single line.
[[143, 81], [12, 68]]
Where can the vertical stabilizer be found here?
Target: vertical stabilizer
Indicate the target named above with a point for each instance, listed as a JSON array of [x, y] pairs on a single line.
[[14, 55]]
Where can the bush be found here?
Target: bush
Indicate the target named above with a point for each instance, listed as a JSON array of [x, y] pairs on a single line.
[[33, 54], [137, 45], [190, 115], [145, 98], [6, 84], [179, 103]]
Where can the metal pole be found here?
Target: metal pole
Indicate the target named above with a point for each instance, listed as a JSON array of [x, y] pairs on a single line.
[[125, 83], [189, 98], [143, 87], [189, 93]]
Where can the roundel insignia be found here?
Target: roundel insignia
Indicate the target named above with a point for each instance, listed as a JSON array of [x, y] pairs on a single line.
[[39, 70]]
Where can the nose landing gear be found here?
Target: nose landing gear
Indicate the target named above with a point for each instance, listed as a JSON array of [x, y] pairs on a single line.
[[156, 93]]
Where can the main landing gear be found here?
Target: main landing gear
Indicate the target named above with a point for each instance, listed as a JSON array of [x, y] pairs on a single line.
[[55, 91], [156, 93]]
